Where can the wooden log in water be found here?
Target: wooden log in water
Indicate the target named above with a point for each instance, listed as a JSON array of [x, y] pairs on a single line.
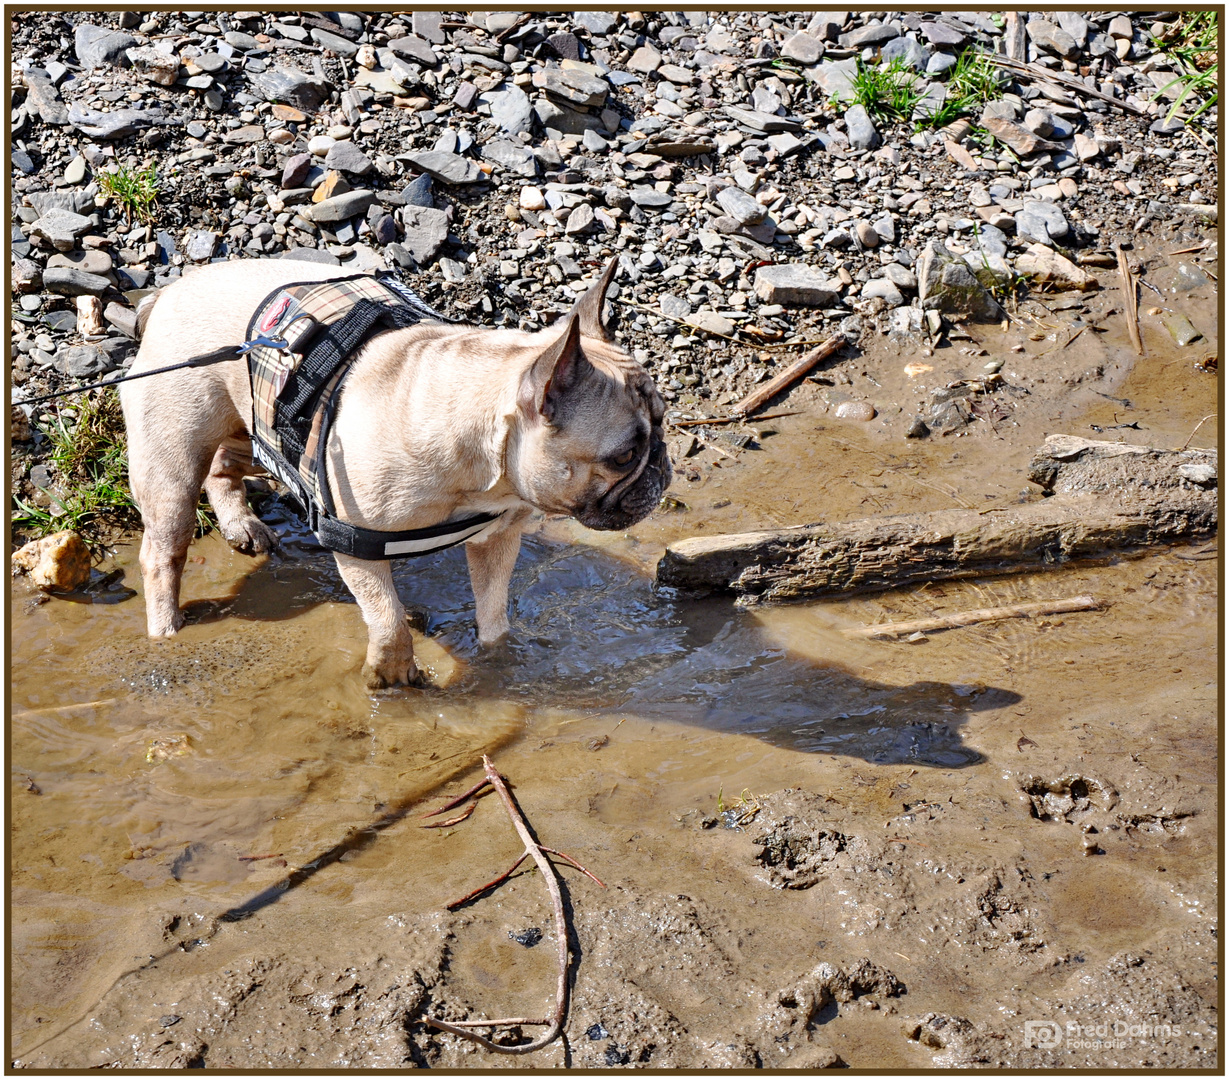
[[1106, 498]]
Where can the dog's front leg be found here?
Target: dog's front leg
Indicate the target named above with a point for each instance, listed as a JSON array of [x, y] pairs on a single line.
[[490, 570], [390, 648]]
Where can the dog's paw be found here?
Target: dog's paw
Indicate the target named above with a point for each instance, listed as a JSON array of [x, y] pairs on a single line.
[[164, 624], [250, 536], [382, 676]]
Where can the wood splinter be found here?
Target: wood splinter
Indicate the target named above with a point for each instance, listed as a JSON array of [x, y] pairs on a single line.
[[978, 615], [538, 852]]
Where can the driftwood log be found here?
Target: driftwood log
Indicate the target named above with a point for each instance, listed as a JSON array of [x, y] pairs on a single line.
[[1102, 498]]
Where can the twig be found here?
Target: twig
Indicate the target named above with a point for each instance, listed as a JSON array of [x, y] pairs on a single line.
[[459, 799], [257, 858], [1197, 427], [1128, 293], [1187, 251], [704, 421], [447, 824], [454, 904], [49, 709], [1066, 81], [978, 615], [787, 378], [547, 869]]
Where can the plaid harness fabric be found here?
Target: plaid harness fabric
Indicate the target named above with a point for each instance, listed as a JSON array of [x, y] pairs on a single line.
[[295, 390]]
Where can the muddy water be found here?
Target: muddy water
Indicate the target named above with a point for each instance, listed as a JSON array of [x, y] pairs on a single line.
[[1011, 822]]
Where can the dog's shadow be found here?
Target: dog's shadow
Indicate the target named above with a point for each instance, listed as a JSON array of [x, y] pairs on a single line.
[[590, 632]]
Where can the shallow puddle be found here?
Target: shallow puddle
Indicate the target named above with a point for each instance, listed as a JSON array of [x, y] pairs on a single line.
[[229, 817]]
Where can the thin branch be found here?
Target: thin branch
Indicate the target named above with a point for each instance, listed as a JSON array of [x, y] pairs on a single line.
[[787, 378], [978, 615], [489, 885], [1197, 427], [459, 799], [1132, 304]]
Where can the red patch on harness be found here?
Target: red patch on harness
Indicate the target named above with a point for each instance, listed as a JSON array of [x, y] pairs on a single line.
[[274, 315]]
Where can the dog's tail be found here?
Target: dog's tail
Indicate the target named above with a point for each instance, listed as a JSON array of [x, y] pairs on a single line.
[[144, 309]]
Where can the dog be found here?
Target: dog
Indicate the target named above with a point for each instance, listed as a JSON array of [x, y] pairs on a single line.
[[436, 421]]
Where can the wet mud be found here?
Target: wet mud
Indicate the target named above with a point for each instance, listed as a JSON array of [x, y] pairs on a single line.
[[991, 847]]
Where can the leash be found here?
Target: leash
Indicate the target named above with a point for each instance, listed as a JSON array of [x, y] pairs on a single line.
[[227, 352]]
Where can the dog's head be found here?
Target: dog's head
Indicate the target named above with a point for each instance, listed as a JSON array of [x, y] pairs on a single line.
[[592, 444]]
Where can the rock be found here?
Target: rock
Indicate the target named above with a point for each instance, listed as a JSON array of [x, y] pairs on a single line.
[[900, 276], [645, 59], [116, 124], [319, 145], [426, 24], [445, 167], [1086, 148], [332, 184], [341, 207], [884, 288], [59, 562], [418, 192], [862, 133], [596, 22], [942, 34], [947, 283], [68, 281], [1120, 27], [1041, 221], [295, 171], [870, 34], [124, 319], [907, 51], [856, 410], [574, 86], [289, 86], [89, 316], [42, 95], [348, 158], [741, 206], [1075, 25], [579, 220], [27, 275], [415, 48], [866, 234], [1048, 267], [1180, 328], [531, 199], [803, 48], [761, 121], [334, 42], [711, 323], [1020, 139], [510, 109], [98, 47], [200, 244], [60, 228], [74, 171], [516, 157], [426, 231], [154, 65], [83, 361], [795, 285], [1045, 35]]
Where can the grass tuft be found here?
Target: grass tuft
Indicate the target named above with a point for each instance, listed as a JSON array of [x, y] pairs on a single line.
[[134, 190], [1191, 43], [974, 81], [888, 93]]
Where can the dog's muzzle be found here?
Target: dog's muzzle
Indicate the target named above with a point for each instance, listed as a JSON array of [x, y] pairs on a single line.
[[629, 502]]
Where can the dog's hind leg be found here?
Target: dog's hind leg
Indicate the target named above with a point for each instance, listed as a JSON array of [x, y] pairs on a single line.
[[244, 531], [390, 647]]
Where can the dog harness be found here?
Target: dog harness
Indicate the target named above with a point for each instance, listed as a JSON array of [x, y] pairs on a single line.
[[300, 345]]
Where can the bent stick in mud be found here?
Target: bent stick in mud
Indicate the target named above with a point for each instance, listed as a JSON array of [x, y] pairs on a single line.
[[977, 615], [547, 870], [787, 378]]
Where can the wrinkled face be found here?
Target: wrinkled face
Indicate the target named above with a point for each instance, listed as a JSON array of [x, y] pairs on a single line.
[[601, 455]]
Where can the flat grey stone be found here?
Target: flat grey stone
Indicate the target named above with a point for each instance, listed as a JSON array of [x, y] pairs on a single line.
[[340, 207], [596, 22], [412, 47], [885, 289], [290, 87], [939, 63], [579, 219], [60, 228], [199, 245], [517, 158], [803, 47], [426, 24], [938, 33], [418, 192], [1045, 35], [947, 283], [796, 285], [1041, 221], [907, 51], [900, 276], [1074, 24], [42, 95], [871, 34], [741, 206], [334, 42], [511, 109], [862, 132], [645, 59], [575, 87], [115, 124], [92, 261], [426, 231], [762, 121], [650, 197], [69, 281], [348, 158], [124, 319], [97, 46], [446, 168], [82, 361], [315, 255]]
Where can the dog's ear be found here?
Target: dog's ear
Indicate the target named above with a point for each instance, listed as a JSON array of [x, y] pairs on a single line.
[[589, 307], [559, 368]]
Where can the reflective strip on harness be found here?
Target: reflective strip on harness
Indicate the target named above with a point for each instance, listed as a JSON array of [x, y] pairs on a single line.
[[295, 392]]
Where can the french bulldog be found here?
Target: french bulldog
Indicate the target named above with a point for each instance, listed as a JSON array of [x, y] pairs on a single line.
[[437, 422]]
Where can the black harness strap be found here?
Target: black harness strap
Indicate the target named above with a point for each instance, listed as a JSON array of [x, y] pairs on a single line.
[[363, 543]]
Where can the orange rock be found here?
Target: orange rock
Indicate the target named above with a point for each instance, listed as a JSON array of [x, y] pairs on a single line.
[[60, 561], [288, 114], [332, 184]]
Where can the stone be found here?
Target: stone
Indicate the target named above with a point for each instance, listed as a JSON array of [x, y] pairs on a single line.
[[332, 184], [803, 48], [596, 22], [516, 157], [44, 98], [348, 158], [426, 24], [27, 275], [334, 43], [1180, 328], [315, 255], [426, 231], [862, 132], [384, 230], [1086, 148], [946, 283], [341, 207], [89, 316], [907, 51], [83, 361], [124, 319], [74, 172], [900, 276], [1046, 266], [1041, 221], [416, 49], [245, 135], [1075, 25], [939, 63], [675, 74], [60, 562], [870, 34], [154, 65], [1045, 35], [418, 192], [445, 167], [116, 124], [91, 261], [886, 228], [711, 323], [566, 45], [866, 234], [1020, 139], [579, 220], [199, 245], [573, 87], [295, 171], [97, 46], [741, 206], [531, 199], [884, 288], [289, 86], [645, 59], [1120, 27], [796, 285], [511, 109], [319, 145], [60, 228], [942, 34], [762, 121]]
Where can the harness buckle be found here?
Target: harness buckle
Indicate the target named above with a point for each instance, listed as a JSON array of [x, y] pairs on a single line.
[[264, 341]]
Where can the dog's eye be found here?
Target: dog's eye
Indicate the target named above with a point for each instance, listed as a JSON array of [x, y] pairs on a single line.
[[624, 459]]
